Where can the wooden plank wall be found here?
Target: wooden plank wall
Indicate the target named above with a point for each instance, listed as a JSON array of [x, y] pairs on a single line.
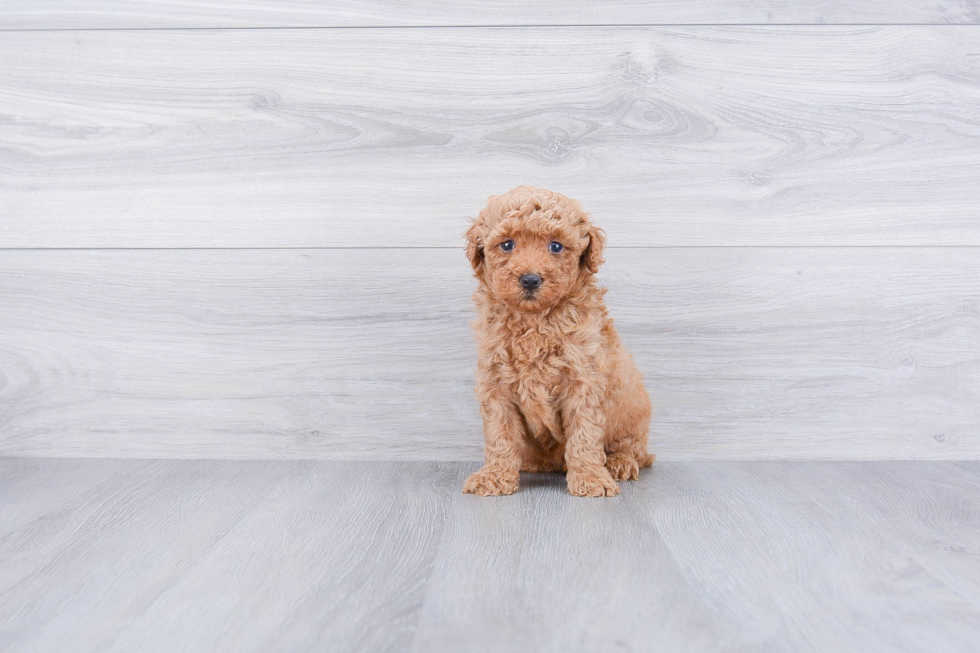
[[147, 14], [222, 236]]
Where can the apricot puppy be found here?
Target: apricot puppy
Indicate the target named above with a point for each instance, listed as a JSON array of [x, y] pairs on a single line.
[[557, 390]]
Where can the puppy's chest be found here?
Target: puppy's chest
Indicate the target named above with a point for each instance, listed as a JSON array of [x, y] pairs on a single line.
[[535, 359], [535, 373]]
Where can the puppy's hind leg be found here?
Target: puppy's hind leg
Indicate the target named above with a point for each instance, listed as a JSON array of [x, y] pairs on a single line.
[[626, 456], [623, 466], [626, 444]]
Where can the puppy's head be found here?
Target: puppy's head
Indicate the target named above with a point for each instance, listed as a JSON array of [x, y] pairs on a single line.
[[531, 247]]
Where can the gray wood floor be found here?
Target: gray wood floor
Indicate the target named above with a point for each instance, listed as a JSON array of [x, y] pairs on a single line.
[[127, 555]]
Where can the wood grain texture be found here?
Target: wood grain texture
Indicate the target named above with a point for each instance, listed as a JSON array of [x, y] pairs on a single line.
[[670, 136], [845, 544], [350, 548], [748, 353], [142, 14], [717, 557], [309, 556], [32, 487], [275, 552], [538, 571]]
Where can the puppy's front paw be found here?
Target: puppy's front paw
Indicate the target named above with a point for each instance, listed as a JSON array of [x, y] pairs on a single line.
[[491, 482], [592, 482]]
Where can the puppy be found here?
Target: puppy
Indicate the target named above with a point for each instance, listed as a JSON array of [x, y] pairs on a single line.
[[557, 390]]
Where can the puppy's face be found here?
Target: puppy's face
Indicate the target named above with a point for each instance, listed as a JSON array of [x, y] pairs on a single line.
[[531, 270], [533, 251]]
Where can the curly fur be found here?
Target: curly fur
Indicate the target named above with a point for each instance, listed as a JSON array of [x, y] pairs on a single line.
[[557, 389]]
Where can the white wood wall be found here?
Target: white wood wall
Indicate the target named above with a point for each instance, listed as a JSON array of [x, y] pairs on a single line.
[[234, 229]]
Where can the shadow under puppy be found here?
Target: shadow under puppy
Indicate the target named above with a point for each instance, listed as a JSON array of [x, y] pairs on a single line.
[[557, 390]]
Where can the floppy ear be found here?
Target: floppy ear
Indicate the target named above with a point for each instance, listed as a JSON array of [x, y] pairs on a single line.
[[474, 243], [592, 256]]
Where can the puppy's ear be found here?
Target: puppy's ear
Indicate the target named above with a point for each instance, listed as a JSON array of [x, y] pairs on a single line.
[[592, 256], [474, 243]]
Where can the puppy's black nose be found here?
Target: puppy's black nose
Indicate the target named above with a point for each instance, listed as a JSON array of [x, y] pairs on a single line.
[[530, 281]]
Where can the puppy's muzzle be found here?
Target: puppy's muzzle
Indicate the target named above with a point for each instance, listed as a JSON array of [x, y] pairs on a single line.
[[530, 282]]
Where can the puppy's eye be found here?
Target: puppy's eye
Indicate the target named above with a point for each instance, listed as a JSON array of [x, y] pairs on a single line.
[[507, 245], [556, 247]]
